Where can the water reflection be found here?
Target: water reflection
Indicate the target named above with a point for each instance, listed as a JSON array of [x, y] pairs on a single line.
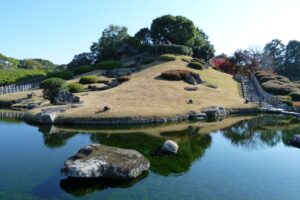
[[263, 131], [82, 187], [55, 139], [11, 116]]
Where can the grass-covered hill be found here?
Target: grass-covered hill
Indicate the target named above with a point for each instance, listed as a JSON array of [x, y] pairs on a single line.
[[147, 95]]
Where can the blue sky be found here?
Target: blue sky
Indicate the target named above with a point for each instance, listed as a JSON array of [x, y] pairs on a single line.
[[59, 29]]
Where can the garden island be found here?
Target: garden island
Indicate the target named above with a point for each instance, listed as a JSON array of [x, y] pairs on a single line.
[[147, 106]]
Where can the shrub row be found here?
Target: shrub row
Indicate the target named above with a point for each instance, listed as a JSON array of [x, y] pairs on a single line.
[[75, 87], [167, 57], [66, 75], [275, 84], [83, 69], [195, 65], [171, 49], [14, 76], [175, 75], [88, 79], [148, 60], [108, 64]]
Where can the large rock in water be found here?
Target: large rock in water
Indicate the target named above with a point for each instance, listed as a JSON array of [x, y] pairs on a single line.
[[100, 161]]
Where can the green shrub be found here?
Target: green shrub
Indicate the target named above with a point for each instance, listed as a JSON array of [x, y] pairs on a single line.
[[83, 69], [279, 88], [295, 96], [66, 75], [108, 64], [123, 79], [17, 75], [286, 99], [175, 75], [167, 57], [88, 79], [52, 86], [186, 60], [170, 49], [198, 60], [148, 60], [75, 87], [195, 65]]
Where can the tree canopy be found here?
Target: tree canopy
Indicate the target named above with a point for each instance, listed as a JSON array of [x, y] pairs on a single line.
[[112, 38]]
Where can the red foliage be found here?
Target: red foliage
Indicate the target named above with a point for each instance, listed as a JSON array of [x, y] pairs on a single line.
[[223, 64]]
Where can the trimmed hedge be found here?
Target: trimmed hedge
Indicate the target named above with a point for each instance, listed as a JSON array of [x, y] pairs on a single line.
[[88, 79], [158, 49], [167, 57], [195, 65], [175, 75], [108, 64], [14, 76], [275, 84], [66, 75], [186, 60], [75, 87], [123, 79], [287, 100], [295, 96], [83, 69], [278, 88], [148, 60]]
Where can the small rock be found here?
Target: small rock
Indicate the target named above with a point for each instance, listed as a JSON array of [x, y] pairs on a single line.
[[191, 88], [101, 161], [170, 147]]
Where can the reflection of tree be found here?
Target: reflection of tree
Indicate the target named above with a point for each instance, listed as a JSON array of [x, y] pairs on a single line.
[[55, 140], [261, 131], [82, 187], [249, 134], [189, 150]]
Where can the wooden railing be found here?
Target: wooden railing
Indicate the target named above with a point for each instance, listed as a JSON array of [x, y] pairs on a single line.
[[21, 86], [265, 96]]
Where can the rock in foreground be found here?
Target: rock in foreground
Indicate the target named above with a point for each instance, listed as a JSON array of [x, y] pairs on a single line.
[[100, 161]]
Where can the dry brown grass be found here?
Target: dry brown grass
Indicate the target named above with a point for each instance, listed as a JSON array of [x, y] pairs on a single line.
[[145, 95]]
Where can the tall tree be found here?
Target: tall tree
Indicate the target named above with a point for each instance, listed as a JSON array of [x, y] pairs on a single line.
[[141, 36], [274, 54], [292, 60], [174, 29], [202, 47], [111, 40]]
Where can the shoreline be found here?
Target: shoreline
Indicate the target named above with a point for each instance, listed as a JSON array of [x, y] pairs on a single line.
[[35, 119]]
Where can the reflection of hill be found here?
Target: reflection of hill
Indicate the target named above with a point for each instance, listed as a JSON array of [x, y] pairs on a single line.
[[263, 131], [189, 150]]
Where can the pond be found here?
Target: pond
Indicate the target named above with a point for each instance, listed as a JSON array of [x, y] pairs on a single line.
[[238, 158]]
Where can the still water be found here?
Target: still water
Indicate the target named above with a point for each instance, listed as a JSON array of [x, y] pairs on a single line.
[[238, 158]]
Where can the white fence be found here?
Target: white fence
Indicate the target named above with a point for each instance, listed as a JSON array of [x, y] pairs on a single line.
[[20, 87]]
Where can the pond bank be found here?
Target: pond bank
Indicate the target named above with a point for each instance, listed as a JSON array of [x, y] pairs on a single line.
[[36, 117]]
